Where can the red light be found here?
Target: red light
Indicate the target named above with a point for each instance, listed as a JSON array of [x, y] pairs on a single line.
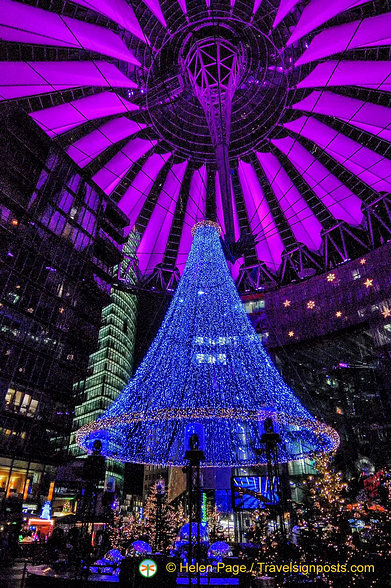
[[15, 222]]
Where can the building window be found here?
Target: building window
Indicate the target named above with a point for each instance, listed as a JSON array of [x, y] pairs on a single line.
[[254, 305], [21, 403]]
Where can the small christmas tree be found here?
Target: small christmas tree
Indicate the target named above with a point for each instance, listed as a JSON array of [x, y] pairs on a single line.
[[215, 530], [324, 516], [161, 522], [122, 532], [67, 507], [258, 530], [326, 488]]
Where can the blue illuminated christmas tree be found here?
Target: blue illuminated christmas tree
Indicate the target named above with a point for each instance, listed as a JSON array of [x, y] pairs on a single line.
[[206, 365], [46, 512]]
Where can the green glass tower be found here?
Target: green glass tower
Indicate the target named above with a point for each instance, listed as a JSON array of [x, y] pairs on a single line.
[[110, 367]]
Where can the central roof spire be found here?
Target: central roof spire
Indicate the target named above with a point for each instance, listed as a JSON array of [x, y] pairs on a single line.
[[214, 67]]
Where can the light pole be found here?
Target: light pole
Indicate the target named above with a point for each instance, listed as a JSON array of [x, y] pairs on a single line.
[[271, 440], [194, 454], [94, 468], [160, 488]]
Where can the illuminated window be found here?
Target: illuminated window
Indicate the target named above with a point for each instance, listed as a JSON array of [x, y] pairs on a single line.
[[19, 402], [254, 305], [13, 297], [356, 274]]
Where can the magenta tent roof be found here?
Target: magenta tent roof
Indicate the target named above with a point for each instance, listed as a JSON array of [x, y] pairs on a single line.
[[119, 11], [337, 197], [284, 8], [369, 166], [262, 221], [91, 145], [318, 12], [28, 78], [111, 174], [196, 209], [371, 117], [136, 195], [369, 32], [59, 119], [46, 28], [310, 118], [367, 74]]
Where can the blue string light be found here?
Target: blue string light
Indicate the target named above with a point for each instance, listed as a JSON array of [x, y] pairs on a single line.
[[206, 365]]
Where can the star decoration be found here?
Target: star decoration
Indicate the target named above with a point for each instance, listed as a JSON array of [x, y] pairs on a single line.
[[311, 304], [368, 283], [291, 334], [363, 261], [386, 312], [287, 303], [338, 314], [331, 277]]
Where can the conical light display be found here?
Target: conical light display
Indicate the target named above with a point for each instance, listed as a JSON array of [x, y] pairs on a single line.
[[206, 366]]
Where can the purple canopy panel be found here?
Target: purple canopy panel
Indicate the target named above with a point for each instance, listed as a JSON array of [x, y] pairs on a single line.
[[370, 32], [285, 7], [234, 267], [112, 173], [154, 7], [90, 146], [219, 208], [302, 220], [33, 25], [135, 196], [367, 74], [365, 115], [371, 168], [100, 40], [20, 79], [318, 12], [117, 10], [195, 211], [341, 202], [154, 240], [182, 4], [58, 119], [257, 4], [269, 244]]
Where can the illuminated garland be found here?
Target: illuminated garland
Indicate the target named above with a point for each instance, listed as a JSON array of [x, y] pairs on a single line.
[[206, 365], [206, 223]]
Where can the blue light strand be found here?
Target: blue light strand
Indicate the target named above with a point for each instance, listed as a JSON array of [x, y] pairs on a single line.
[[206, 365]]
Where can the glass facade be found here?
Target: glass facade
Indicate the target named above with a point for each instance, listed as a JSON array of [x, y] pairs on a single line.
[[58, 236], [110, 367], [330, 337]]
